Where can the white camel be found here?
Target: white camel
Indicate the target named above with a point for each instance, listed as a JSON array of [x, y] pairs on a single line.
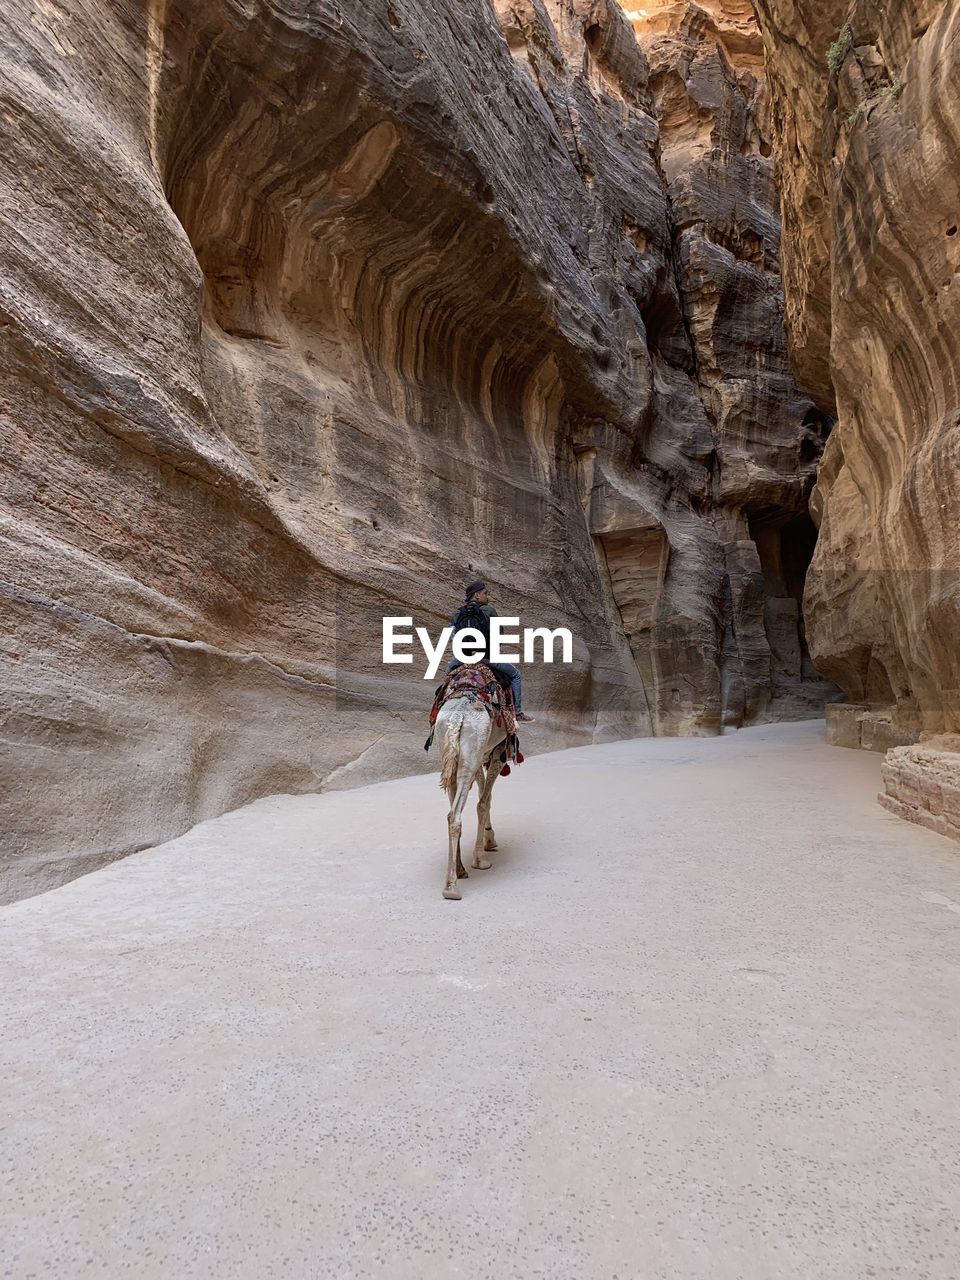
[[467, 736]]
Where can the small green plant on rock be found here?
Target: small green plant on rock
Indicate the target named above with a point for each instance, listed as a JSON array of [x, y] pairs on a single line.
[[839, 49], [857, 114], [892, 91]]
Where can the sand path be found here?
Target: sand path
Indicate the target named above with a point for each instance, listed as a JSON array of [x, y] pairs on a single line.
[[702, 1019]]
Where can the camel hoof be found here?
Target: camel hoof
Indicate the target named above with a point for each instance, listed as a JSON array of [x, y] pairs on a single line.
[[482, 864], [452, 894]]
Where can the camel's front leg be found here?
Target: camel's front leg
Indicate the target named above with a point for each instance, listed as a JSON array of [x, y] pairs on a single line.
[[486, 840]]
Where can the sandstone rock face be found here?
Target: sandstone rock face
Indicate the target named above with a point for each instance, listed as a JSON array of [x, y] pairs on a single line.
[[797, 36], [865, 110], [709, 94], [312, 311]]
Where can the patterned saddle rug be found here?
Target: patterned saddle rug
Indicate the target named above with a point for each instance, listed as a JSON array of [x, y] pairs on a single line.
[[479, 683]]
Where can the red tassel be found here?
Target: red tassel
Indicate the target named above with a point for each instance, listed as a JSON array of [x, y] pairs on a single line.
[[505, 771], [519, 757]]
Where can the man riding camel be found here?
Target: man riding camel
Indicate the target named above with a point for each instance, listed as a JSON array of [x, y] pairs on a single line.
[[477, 593]]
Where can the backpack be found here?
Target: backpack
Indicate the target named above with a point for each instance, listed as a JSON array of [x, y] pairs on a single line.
[[471, 615]]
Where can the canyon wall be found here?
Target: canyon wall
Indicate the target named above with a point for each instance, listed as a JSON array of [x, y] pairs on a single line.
[[865, 125], [313, 311], [864, 104]]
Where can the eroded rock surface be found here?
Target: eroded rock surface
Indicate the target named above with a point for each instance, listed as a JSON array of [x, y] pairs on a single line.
[[865, 121], [797, 36], [709, 94], [312, 311]]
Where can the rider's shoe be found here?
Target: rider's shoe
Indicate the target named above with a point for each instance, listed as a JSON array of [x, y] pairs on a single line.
[[527, 719]]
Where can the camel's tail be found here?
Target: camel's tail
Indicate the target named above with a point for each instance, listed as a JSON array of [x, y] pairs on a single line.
[[450, 749]]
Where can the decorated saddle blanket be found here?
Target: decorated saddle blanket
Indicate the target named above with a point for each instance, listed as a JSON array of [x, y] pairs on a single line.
[[481, 685]]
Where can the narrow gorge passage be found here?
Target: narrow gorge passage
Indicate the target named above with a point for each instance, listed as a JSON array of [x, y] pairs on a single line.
[[328, 308], [698, 1022], [336, 328]]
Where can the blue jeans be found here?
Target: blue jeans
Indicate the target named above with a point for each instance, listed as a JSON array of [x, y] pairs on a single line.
[[505, 669]]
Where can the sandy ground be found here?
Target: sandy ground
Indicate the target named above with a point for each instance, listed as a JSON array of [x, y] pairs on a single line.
[[702, 1019]]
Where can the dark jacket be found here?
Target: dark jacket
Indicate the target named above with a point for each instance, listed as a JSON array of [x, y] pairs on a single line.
[[488, 609]]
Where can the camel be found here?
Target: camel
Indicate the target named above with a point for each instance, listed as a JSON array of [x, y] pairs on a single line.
[[467, 736]]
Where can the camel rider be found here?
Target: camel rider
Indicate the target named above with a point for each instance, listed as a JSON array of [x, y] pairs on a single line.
[[477, 593]]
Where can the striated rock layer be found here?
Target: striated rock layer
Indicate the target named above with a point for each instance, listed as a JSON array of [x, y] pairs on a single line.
[[709, 95], [313, 310], [867, 122], [872, 115]]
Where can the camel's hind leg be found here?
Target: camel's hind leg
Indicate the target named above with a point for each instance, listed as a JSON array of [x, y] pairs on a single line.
[[458, 792], [486, 840]]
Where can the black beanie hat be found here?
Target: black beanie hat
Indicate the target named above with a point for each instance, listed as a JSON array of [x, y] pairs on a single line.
[[473, 588]]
